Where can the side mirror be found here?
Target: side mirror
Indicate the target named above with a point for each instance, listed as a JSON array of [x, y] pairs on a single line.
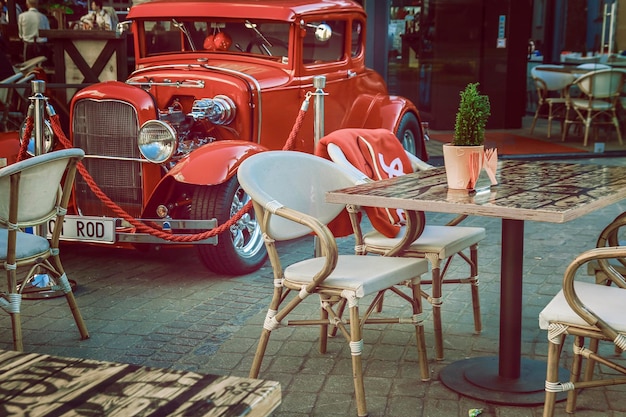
[[323, 32]]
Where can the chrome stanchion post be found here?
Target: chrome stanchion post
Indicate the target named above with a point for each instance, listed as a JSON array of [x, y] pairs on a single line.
[[39, 102], [319, 82], [42, 283]]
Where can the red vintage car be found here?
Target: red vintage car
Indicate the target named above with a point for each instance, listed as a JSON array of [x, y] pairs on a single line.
[[215, 82]]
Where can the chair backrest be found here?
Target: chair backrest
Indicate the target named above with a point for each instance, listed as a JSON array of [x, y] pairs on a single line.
[[4, 91], [553, 80], [113, 15], [601, 84], [34, 185], [376, 154], [593, 66], [295, 180], [30, 64], [577, 59]]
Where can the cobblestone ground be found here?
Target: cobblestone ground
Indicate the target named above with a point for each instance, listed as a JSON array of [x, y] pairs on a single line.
[[165, 309]]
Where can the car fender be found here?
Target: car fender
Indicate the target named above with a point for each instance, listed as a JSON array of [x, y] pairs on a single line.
[[9, 147], [213, 163], [381, 111]]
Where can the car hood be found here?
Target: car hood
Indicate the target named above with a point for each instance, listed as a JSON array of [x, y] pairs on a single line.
[[266, 76]]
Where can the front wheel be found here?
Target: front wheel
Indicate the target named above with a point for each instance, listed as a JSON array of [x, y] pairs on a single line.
[[410, 135], [240, 249]]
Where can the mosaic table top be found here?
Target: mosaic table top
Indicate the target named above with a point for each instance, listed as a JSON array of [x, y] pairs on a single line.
[[527, 190]]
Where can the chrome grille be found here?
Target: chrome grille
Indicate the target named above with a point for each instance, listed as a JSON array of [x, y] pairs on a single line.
[[108, 128]]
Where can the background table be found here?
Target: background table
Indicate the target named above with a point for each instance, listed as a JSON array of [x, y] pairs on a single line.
[[538, 191], [37, 385]]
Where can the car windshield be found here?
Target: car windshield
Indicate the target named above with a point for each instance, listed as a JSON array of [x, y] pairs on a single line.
[[265, 38]]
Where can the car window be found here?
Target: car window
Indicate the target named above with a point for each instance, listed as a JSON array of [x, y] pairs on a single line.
[[262, 38], [356, 46], [317, 51]]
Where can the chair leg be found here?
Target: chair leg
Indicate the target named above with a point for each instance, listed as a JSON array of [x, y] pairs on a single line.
[[587, 126], [270, 323], [591, 363], [617, 128], [565, 125], [478, 326], [260, 353], [17, 333], [71, 302], [15, 300], [54, 266], [420, 338], [572, 395], [356, 349], [324, 331], [552, 377], [549, 119], [341, 306], [532, 126], [379, 305], [436, 303]]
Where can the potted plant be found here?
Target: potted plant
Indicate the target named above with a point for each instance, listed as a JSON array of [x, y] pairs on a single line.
[[464, 155]]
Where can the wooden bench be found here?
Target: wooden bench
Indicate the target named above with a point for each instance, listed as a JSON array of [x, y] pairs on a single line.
[[37, 385]]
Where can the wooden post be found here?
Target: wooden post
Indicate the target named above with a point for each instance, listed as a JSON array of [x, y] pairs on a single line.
[[87, 56]]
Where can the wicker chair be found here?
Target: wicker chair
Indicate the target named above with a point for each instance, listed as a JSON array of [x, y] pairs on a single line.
[[598, 103], [288, 192], [14, 100], [585, 310], [30, 196], [439, 244], [550, 86], [610, 237]]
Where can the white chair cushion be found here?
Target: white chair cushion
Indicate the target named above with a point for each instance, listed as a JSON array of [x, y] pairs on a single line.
[[362, 274], [28, 245], [598, 105], [605, 302], [443, 240]]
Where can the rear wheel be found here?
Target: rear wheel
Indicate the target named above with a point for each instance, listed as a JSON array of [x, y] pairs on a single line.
[[410, 135], [240, 249]]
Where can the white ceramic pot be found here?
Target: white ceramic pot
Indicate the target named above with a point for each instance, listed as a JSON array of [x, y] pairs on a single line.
[[456, 160]]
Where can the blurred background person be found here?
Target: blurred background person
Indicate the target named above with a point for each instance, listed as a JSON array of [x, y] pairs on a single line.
[[97, 18], [4, 11], [29, 23]]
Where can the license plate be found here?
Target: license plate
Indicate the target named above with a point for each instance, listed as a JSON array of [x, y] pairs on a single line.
[[86, 229]]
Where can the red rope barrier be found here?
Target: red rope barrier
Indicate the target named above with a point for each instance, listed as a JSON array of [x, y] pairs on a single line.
[[290, 144], [28, 130], [142, 227]]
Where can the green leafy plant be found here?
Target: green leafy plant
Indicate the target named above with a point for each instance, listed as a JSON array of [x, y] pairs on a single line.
[[471, 118]]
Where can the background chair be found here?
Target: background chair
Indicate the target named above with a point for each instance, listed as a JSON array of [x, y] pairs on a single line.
[[593, 66], [597, 105], [14, 100], [586, 311], [288, 192], [550, 86], [439, 244], [30, 196]]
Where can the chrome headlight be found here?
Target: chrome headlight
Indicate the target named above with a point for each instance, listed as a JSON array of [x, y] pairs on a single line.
[[219, 110], [48, 138], [157, 141]]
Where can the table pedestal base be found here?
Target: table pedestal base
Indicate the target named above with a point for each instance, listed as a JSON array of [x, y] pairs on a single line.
[[478, 378]]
